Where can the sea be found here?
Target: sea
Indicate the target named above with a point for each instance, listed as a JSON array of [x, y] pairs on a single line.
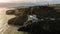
[[4, 27]]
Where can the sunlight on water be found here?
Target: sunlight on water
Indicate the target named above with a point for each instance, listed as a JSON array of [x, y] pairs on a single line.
[[4, 27]]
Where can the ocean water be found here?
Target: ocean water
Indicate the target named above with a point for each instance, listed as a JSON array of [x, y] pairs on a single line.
[[4, 27]]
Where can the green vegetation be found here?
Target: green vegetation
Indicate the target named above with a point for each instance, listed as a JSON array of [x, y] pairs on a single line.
[[54, 5]]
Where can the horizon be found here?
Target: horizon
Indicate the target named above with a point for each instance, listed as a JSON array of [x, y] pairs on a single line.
[[12, 3]]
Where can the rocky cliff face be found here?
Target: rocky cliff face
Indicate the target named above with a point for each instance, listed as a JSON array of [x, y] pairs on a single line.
[[4, 27]]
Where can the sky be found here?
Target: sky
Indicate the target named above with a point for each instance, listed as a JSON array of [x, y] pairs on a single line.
[[32, 1], [16, 3]]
